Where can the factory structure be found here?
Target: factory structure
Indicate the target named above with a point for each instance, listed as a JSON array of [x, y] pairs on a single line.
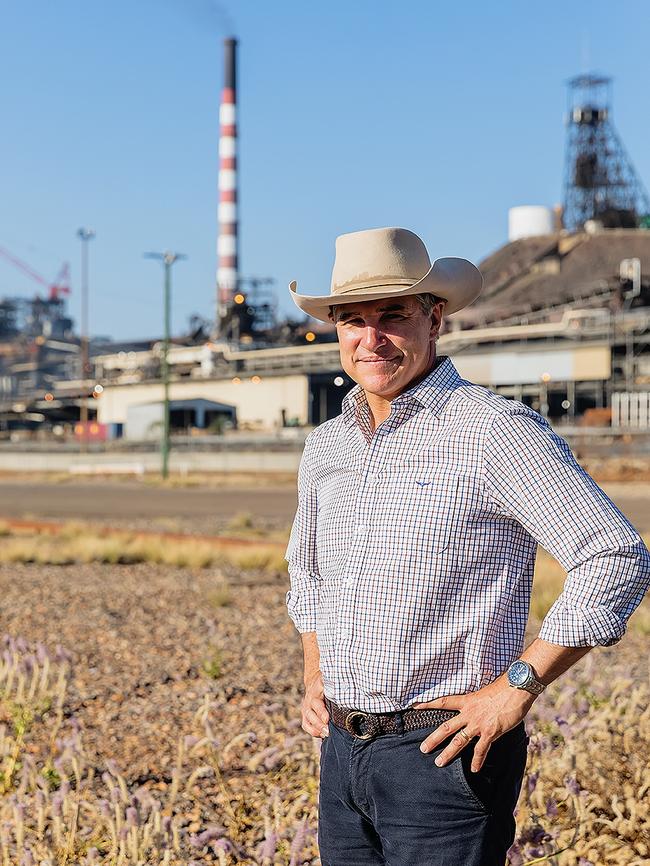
[[563, 322]]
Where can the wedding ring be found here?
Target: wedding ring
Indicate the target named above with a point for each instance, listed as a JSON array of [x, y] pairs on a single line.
[[464, 735]]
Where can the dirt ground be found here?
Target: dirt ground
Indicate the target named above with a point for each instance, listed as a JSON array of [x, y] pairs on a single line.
[[146, 642], [149, 643]]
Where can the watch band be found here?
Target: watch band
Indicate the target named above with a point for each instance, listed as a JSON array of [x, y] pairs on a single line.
[[534, 686]]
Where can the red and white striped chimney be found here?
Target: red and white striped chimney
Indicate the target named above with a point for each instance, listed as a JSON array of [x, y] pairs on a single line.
[[227, 245]]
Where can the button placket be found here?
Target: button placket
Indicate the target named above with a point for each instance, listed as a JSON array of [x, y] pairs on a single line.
[[356, 556], [358, 547]]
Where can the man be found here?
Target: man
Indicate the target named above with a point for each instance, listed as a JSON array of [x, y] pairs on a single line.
[[411, 559]]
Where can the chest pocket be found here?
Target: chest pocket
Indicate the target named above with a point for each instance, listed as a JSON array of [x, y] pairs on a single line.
[[435, 502], [428, 507]]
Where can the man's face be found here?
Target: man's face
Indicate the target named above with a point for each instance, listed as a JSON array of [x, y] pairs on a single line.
[[385, 344]]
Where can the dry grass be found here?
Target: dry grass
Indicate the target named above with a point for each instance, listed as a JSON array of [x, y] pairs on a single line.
[[221, 595], [77, 542], [585, 797]]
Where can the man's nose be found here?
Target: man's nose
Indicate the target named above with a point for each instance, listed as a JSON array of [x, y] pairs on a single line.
[[373, 336]]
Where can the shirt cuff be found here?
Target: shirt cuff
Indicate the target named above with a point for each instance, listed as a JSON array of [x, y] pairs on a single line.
[[581, 626], [302, 605]]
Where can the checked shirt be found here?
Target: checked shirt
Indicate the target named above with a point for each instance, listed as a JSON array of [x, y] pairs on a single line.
[[412, 550]]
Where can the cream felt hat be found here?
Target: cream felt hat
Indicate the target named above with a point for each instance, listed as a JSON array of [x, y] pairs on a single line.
[[391, 262]]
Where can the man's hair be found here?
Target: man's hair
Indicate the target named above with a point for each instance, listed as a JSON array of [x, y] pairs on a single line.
[[427, 301]]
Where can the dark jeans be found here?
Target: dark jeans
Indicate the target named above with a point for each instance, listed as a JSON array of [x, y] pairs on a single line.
[[383, 801]]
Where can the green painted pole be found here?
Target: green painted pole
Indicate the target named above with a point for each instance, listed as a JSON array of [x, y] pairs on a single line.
[[165, 370], [168, 259]]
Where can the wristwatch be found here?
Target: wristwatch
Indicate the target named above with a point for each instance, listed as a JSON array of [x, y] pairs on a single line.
[[522, 676]]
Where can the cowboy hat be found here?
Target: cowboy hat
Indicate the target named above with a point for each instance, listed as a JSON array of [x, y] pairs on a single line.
[[391, 262]]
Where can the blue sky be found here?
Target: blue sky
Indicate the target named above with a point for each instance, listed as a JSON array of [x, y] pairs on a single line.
[[437, 117]]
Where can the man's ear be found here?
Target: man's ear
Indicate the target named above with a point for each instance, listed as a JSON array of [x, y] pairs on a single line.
[[436, 318]]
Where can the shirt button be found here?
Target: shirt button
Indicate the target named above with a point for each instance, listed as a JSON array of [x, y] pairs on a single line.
[[361, 528]]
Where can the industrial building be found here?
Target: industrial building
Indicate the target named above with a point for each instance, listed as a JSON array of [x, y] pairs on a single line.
[[585, 344], [563, 322]]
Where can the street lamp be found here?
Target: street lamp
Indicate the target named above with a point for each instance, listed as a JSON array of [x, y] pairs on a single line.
[[168, 259], [85, 235]]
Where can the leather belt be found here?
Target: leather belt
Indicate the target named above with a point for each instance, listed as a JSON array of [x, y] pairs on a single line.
[[363, 725]]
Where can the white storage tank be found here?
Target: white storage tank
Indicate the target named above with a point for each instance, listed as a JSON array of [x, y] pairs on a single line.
[[530, 220]]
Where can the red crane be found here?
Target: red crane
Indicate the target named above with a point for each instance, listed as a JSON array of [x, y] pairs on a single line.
[[61, 284]]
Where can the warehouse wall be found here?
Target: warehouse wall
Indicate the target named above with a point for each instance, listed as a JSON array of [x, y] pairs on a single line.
[[259, 404], [527, 366]]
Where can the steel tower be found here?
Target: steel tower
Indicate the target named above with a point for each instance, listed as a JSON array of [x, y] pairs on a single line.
[[600, 181]]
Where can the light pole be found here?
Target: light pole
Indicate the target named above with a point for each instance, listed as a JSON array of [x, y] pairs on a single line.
[[85, 235], [168, 259], [545, 378]]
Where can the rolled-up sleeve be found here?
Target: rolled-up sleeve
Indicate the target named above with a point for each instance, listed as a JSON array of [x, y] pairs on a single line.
[[303, 597], [533, 477]]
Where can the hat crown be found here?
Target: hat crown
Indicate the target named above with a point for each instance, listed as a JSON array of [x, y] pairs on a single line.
[[378, 257]]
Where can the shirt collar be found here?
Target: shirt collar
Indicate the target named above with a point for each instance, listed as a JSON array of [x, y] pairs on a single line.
[[431, 392]]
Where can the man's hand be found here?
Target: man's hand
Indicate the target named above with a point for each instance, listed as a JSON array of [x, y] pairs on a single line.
[[314, 712], [487, 714]]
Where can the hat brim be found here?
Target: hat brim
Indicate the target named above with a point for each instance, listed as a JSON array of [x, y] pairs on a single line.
[[456, 280]]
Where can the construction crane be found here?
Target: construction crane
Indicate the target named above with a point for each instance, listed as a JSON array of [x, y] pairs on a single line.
[[61, 284]]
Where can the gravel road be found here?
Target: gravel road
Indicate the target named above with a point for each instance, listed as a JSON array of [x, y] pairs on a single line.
[[204, 509]]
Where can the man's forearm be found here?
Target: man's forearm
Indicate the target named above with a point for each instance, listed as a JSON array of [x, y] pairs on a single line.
[[549, 660], [311, 655]]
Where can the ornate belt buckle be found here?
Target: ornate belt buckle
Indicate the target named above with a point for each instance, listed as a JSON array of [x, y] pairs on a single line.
[[348, 725]]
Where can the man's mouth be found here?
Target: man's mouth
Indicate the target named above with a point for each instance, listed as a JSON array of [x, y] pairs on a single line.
[[377, 360]]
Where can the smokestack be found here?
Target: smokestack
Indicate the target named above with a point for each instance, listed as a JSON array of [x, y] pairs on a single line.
[[227, 245]]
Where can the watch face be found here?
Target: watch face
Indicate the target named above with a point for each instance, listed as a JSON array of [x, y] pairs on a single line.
[[518, 673]]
